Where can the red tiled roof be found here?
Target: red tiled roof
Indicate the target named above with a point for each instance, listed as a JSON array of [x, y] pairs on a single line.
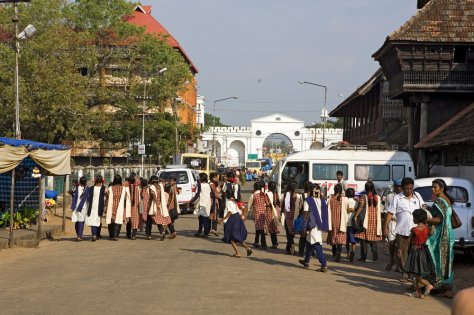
[[152, 26], [458, 129], [439, 21]]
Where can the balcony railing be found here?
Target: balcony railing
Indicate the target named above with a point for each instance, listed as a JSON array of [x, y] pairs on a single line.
[[439, 78]]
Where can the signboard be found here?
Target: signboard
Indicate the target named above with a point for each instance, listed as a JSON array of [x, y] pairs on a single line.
[[194, 163], [252, 156], [141, 149]]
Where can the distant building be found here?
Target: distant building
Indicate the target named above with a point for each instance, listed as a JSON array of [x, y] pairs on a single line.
[[271, 136]]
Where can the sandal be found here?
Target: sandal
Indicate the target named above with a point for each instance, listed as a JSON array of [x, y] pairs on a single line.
[[249, 252], [235, 255], [403, 280]]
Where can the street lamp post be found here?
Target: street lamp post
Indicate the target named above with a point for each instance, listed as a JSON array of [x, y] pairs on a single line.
[[324, 111], [214, 122], [145, 98]]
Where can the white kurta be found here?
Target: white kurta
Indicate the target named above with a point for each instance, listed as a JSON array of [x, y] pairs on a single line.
[[205, 201], [94, 219], [120, 208], [315, 235], [77, 216]]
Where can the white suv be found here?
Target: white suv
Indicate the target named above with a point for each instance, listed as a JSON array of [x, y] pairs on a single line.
[[186, 179], [462, 191]]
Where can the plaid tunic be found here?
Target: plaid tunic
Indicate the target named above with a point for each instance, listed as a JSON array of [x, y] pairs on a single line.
[[159, 218], [135, 198], [117, 194], [290, 215], [272, 228], [338, 237], [145, 194], [259, 209], [370, 234], [214, 200]]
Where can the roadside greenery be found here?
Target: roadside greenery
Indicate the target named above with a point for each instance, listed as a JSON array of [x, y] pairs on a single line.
[[66, 69]]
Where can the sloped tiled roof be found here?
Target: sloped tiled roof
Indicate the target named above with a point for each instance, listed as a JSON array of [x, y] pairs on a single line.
[[361, 91], [441, 21], [142, 17], [458, 129]]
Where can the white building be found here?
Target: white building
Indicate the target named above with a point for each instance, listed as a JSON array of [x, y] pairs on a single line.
[[233, 145]]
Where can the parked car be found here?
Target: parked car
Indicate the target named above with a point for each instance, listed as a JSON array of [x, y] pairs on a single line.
[[462, 191], [186, 179]]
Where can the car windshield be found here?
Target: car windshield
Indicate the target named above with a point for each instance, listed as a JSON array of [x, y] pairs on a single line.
[[181, 176], [459, 194]]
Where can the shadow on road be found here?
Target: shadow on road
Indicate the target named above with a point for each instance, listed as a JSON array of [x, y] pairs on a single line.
[[205, 251]]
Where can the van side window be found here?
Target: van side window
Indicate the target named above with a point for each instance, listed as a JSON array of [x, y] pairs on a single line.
[[398, 172], [376, 172], [328, 171], [297, 172]]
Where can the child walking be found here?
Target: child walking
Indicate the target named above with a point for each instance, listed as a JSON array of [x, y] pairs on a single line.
[[419, 262]]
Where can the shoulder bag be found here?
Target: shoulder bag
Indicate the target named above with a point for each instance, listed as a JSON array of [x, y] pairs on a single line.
[[455, 220]]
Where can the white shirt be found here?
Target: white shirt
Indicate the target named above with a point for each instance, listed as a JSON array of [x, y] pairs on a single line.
[[231, 206], [403, 208], [315, 235]]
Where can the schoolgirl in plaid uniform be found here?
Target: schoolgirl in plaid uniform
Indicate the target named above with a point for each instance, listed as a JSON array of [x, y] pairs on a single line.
[[172, 204], [153, 207], [372, 222], [290, 207], [118, 203], [338, 209], [272, 214], [161, 216], [258, 203], [144, 200], [134, 220], [214, 180]]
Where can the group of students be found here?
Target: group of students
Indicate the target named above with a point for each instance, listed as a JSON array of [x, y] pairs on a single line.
[[134, 202], [420, 238]]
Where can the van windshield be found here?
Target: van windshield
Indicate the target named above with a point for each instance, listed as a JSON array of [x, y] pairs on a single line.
[[295, 172], [459, 194], [181, 176]]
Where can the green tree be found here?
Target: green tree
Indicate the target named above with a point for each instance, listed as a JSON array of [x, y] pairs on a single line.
[[211, 121], [66, 69]]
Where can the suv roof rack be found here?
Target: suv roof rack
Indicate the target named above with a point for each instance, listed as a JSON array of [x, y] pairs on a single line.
[[171, 166], [373, 146]]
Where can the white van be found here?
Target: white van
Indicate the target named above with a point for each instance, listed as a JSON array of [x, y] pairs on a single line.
[[357, 165], [186, 179]]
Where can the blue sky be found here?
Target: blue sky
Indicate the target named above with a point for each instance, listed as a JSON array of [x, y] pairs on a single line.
[[260, 49]]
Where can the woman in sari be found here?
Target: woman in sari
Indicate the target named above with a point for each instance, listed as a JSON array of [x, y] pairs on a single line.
[[440, 244]]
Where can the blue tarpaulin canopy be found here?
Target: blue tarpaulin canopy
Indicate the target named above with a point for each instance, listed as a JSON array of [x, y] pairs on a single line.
[[32, 145], [54, 158]]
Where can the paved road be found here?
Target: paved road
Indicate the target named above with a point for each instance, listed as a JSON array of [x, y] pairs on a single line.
[[189, 275]]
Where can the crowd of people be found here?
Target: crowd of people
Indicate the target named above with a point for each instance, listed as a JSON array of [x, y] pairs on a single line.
[[419, 238]]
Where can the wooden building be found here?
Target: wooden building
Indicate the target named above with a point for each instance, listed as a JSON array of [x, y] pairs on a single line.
[[370, 115], [429, 64], [427, 67]]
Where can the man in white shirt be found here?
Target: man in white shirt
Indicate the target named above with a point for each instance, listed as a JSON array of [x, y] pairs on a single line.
[[391, 236], [403, 206]]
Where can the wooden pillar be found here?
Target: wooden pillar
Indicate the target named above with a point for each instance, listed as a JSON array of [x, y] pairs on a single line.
[[410, 114], [66, 188], [423, 170], [42, 206], [12, 210]]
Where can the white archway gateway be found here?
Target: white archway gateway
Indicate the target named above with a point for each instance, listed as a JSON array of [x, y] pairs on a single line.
[[269, 134]]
